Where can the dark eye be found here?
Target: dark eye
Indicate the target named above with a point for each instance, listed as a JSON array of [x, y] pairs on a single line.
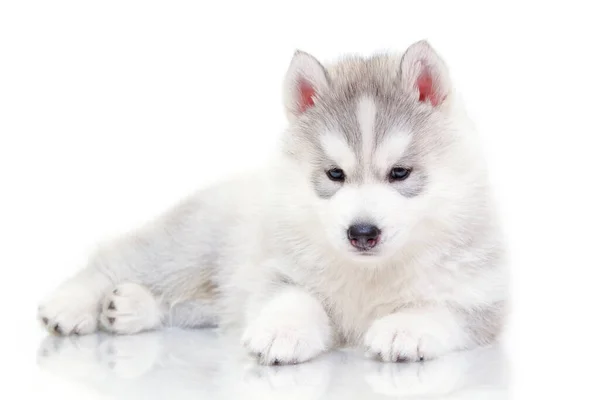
[[399, 174], [336, 174]]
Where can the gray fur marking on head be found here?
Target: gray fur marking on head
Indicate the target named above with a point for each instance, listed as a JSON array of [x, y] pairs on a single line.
[[376, 78]]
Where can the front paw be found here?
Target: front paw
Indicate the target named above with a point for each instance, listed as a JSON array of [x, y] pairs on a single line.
[[287, 340], [405, 337], [71, 310]]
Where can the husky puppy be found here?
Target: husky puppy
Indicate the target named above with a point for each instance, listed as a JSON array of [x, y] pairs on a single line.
[[373, 225]]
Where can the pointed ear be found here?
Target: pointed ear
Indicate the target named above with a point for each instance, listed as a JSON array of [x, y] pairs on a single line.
[[424, 74], [305, 80]]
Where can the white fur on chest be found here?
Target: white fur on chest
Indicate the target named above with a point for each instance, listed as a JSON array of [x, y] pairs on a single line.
[[355, 295]]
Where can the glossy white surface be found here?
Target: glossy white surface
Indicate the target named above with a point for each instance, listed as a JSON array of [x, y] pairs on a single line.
[[186, 364]]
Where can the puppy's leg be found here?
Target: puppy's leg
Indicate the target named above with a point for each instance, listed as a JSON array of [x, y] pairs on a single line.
[[131, 308], [73, 307], [291, 327], [166, 257], [422, 334]]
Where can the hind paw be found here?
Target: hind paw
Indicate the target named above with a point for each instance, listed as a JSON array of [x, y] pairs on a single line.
[[70, 311], [130, 308]]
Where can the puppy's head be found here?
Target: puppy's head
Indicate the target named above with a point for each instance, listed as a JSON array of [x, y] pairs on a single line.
[[375, 142]]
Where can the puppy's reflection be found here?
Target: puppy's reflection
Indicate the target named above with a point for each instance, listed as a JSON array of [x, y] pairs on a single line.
[[477, 374], [195, 363]]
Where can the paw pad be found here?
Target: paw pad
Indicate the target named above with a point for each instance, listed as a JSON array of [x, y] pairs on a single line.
[[129, 308]]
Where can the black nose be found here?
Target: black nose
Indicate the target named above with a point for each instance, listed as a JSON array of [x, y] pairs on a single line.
[[363, 236]]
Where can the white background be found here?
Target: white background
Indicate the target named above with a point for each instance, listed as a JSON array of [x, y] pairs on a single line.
[[112, 111]]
